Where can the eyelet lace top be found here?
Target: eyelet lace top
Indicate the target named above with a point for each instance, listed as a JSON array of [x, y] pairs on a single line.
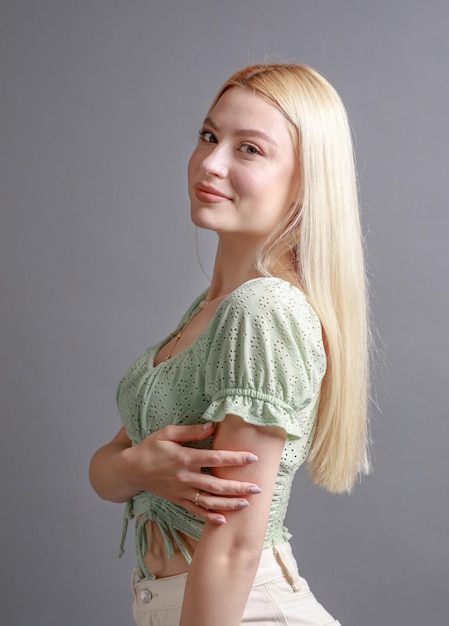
[[262, 358]]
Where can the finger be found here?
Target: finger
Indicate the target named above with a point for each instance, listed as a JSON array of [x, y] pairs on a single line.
[[181, 434], [219, 458], [213, 503], [222, 486], [218, 519], [205, 458]]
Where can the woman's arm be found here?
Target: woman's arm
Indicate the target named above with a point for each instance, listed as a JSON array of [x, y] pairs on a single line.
[[226, 559], [162, 466]]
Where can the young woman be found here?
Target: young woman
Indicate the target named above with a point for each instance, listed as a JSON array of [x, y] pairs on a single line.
[[271, 360]]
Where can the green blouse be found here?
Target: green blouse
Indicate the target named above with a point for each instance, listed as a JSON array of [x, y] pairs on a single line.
[[262, 358]]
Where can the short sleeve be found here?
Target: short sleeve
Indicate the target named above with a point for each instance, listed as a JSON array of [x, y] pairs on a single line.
[[265, 360]]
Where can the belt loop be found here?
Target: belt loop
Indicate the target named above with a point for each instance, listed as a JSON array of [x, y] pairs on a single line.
[[291, 578], [134, 581]]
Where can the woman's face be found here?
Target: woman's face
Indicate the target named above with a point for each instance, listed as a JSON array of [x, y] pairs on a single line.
[[243, 174]]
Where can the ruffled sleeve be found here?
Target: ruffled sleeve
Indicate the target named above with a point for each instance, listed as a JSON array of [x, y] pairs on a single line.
[[265, 359]]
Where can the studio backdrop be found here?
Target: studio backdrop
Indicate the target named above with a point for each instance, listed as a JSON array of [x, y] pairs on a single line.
[[101, 102]]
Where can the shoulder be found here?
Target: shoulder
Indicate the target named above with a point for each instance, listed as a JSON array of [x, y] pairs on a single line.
[[266, 340], [266, 289], [271, 300], [266, 316]]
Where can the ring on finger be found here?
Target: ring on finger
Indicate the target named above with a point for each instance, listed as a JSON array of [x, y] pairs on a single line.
[[196, 500]]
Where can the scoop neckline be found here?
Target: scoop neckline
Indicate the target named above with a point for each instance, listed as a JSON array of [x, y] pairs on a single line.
[[193, 309], [245, 284]]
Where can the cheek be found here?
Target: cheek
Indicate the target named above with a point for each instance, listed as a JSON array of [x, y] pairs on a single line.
[[192, 165], [268, 186], [250, 183], [278, 193]]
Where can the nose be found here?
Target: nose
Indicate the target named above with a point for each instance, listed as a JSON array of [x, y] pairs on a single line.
[[215, 163]]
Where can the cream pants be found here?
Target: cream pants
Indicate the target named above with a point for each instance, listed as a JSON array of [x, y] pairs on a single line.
[[279, 596]]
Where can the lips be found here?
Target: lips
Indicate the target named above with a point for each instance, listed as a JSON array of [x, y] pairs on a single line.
[[208, 193]]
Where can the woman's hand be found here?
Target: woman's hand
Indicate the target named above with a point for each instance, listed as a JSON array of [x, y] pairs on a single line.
[[162, 466]]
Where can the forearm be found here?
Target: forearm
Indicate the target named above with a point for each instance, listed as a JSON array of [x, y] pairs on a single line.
[[161, 465], [219, 581]]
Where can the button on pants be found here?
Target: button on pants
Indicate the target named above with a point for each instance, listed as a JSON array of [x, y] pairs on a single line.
[[279, 595]]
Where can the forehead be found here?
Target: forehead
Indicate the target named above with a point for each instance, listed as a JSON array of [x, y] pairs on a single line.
[[241, 108]]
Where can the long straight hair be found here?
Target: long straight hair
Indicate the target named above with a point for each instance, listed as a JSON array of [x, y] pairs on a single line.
[[323, 234]]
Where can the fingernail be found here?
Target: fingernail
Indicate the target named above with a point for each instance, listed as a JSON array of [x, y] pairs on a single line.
[[208, 425], [254, 490], [242, 504], [251, 458], [219, 521]]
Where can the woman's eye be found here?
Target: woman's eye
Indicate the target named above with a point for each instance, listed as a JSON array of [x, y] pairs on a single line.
[[207, 136], [249, 148]]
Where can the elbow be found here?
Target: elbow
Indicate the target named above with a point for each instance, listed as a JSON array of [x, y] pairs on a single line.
[[107, 480], [100, 483], [95, 481], [106, 493], [243, 549], [242, 560]]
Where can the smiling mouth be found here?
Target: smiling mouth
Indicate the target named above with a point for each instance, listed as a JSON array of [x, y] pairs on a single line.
[[206, 193]]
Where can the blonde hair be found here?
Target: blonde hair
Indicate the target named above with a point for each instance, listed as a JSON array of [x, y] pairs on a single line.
[[323, 233]]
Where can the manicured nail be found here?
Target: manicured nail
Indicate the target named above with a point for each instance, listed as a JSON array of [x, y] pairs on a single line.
[[251, 458], [208, 425], [254, 490], [219, 521], [242, 504]]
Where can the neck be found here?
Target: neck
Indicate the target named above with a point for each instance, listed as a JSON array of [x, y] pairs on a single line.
[[235, 264]]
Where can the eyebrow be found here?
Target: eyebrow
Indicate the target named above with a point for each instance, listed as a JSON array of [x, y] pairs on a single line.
[[244, 132]]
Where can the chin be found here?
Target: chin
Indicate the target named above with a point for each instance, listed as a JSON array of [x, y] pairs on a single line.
[[203, 219]]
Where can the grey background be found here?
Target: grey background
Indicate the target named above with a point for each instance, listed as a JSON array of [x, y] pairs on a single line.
[[101, 101]]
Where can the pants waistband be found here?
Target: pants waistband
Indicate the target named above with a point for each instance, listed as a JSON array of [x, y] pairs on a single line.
[[168, 592]]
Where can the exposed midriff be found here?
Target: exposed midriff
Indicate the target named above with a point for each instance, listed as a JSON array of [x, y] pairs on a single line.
[[156, 559]]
